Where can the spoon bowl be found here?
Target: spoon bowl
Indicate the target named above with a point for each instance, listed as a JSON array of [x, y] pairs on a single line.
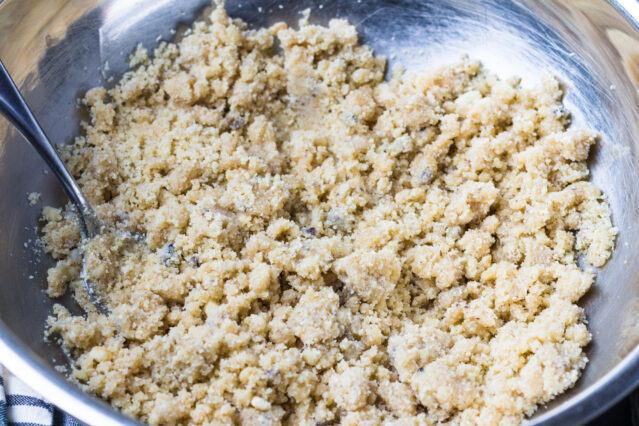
[[15, 109]]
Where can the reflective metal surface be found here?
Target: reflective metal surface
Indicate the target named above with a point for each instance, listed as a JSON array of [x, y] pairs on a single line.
[[55, 49]]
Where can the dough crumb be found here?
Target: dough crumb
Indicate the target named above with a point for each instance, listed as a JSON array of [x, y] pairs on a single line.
[[33, 198]]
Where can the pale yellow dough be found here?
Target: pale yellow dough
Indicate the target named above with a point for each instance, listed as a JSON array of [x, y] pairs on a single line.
[[325, 247]]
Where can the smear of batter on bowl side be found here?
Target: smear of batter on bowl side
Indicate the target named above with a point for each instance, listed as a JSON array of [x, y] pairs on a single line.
[[323, 246]]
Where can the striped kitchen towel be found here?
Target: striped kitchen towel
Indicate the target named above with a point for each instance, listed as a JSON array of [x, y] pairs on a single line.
[[21, 406]]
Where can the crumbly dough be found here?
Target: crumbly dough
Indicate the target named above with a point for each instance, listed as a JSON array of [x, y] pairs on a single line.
[[33, 198], [323, 246]]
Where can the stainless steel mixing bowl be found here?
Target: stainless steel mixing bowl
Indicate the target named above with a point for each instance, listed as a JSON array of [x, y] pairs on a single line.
[[55, 50]]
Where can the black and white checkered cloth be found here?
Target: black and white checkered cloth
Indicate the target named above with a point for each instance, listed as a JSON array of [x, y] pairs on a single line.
[[21, 406]]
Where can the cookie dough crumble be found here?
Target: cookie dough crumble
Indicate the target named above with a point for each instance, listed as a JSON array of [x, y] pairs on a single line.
[[33, 198], [323, 246]]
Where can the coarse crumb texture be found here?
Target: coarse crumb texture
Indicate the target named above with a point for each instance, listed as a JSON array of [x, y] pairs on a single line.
[[33, 198], [324, 246]]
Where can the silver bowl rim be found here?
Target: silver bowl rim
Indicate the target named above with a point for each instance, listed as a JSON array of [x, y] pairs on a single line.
[[584, 406]]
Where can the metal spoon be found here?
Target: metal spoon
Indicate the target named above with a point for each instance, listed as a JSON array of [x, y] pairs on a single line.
[[15, 109]]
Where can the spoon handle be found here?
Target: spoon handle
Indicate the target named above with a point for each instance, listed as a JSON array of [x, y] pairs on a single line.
[[15, 109]]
